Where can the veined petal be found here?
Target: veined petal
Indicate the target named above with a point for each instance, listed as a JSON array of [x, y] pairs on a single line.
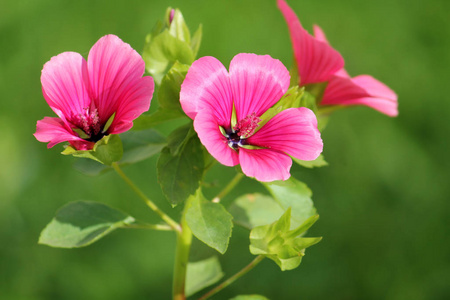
[[114, 68], [265, 164], [293, 131], [316, 60], [320, 36], [361, 90], [207, 128], [64, 84], [54, 131], [207, 85], [257, 82], [136, 100]]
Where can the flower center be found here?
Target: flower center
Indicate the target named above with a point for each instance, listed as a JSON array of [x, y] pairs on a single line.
[[89, 123], [246, 127], [243, 129]]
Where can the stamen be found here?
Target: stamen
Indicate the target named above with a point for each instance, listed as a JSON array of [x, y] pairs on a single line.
[[89, 122], [245, 127]]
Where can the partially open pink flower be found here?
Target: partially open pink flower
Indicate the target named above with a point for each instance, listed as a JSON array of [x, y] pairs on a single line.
[[253, 85], [85, 95], [318, 62]]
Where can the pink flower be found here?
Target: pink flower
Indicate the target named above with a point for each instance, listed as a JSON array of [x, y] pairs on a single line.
[[318, 62], [85, 95], [253, 85]]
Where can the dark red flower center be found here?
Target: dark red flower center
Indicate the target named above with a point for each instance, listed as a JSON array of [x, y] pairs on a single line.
[[89, 122], [243, 129]]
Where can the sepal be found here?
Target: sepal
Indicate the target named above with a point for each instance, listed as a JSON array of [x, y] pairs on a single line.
[[106, 151], [284, 246]]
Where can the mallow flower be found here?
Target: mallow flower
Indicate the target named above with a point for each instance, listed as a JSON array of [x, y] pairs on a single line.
[[318, 62], [227, 109], [93, 98]]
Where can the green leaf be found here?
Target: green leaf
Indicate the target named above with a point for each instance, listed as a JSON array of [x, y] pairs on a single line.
[[309, 101], [289, 100], [137, 146], [317, 163], [162, 51], [179, 175], [178, 137], [201, 274], [90, 167], [140, 145], [81, 223], [146, 121], [210, 222], [249, 297], [106, 151], [294, 194], [196, 40], [253, 210], [169, 91]]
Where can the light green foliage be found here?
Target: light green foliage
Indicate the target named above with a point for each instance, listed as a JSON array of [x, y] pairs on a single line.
[[210, 222], [137, 146], [81, 223], [180, 172], [253, 210], [168, 44], [282, 245], [318, 162], [289, 100], [169, 91], [201, 274], [106, 151], [249, 297], [160, 116], [317, 90], [309, 101], [293, 194], [168, 99]]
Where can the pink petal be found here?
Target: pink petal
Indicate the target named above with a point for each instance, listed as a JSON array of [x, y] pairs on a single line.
[[207, 86], [361, 90], [114, 69], [320, 36], [207, 128], [54, 131], [293, 131], [265, 164], [316, 60], [64, 84], [136, 100], [258, 82]]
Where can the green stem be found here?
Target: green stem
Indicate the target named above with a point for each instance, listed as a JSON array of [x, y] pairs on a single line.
[[184, 241], [228, 187], [174, 225], [161, 227], [233, 278]]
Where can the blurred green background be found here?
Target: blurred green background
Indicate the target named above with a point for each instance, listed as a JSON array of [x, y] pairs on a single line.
[[383, 199]]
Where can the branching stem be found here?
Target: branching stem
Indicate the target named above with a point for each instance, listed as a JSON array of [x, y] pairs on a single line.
[[174, 225]]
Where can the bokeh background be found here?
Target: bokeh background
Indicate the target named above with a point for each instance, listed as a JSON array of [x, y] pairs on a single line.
[[383, 199]]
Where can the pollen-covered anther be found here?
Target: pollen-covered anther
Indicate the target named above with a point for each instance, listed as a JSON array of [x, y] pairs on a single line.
[[246, 127]]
